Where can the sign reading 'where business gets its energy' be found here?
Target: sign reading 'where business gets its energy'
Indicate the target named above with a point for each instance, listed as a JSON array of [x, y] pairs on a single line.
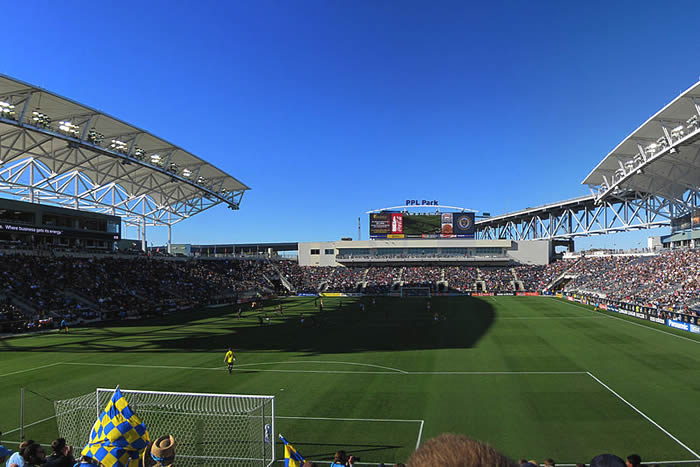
[[389, 224]]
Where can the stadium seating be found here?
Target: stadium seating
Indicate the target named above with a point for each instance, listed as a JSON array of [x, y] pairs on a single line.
[[39, 288]]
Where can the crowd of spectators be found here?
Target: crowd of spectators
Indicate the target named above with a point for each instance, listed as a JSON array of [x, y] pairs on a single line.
[[445, 450], [41, 290], [37, 289], [670, 279]]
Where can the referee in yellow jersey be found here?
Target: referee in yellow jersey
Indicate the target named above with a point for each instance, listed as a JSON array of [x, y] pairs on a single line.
[[229, 359]]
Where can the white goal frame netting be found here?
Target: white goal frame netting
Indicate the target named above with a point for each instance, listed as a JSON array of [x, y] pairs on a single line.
[[210, 429], [415, 292]]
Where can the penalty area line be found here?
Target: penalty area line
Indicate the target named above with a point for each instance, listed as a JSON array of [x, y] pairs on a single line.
[[331, 372], [30, 369], [644, 415]]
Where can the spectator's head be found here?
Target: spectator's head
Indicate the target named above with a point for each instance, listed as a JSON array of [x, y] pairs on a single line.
[[34, 454], [341, 457], [160, 453], [308, 464], [607, 460], [59, 446], [451, 450], [633, 460], [549, 462], [4, 453]]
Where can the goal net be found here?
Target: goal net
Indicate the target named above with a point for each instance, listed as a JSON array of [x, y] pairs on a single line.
[[415, 291], [210, 429]]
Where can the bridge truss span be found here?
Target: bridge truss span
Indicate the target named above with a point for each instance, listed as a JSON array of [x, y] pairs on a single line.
[[580, 217]]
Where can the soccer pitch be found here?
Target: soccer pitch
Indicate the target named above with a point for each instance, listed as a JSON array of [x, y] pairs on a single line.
[[535, 377]]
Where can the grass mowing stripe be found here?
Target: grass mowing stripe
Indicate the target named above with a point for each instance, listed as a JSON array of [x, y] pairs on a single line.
[[636, 324], [644, 415]]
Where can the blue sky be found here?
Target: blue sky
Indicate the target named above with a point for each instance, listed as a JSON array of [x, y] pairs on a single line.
[[330, 108]]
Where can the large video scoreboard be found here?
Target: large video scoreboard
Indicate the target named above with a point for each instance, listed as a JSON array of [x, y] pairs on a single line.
[[388, 224]]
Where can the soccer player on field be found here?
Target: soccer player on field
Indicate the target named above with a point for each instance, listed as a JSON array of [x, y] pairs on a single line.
[[229, 359]]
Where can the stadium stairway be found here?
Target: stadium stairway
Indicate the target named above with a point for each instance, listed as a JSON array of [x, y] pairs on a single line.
[[23, 305], [75, 295]]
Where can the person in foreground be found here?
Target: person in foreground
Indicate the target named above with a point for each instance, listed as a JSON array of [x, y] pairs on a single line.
[[160, 453], [453, 450]]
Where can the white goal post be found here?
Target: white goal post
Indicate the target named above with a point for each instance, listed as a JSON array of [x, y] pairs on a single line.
[[415, 292], [210, 429]]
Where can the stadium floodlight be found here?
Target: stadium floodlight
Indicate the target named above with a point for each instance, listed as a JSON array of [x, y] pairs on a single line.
[[187, 173], [677, 132], [172, 168], [7, 110], [619, 173], [638, 159], [202, 181], [68, 128], [139, 153], [95, 137], [651, 149], [156, 160], [692, 123], [40, 119], [119, 146]]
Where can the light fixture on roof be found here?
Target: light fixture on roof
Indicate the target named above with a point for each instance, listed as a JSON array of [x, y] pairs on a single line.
[[40, 119], [187, 173], [677, 132], [693, 123], [95, 137], [172, 168], [7, 110], [651, 149], [139, 153], [119, 146], [69, 129], [156, 160]]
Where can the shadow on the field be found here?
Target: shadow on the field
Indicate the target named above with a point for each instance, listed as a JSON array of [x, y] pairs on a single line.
[[390, 324]]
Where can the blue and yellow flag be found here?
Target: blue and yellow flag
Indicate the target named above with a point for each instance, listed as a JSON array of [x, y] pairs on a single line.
[[291, 457], [118, 437]]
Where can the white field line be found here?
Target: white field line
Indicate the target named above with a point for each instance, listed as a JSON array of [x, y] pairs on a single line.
[[235, 368], [31, 424], [334, 419], [420, 433], [550, 318], [323, 362], [30, 369], [645, 416], [402, 372], [632, 322], [497, 373]]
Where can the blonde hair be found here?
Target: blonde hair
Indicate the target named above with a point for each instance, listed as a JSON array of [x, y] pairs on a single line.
[[452, 450]]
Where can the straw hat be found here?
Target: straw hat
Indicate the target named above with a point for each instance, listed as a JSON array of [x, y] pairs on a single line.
[[160, 453]]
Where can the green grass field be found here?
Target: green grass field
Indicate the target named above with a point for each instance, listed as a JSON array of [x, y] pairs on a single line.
[[535, 377]]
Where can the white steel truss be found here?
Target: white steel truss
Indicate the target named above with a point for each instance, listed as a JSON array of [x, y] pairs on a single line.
[[583, 216], [54, 150]]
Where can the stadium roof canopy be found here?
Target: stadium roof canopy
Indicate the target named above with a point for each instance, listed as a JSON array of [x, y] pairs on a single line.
[[661, 157], [55, 150]]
